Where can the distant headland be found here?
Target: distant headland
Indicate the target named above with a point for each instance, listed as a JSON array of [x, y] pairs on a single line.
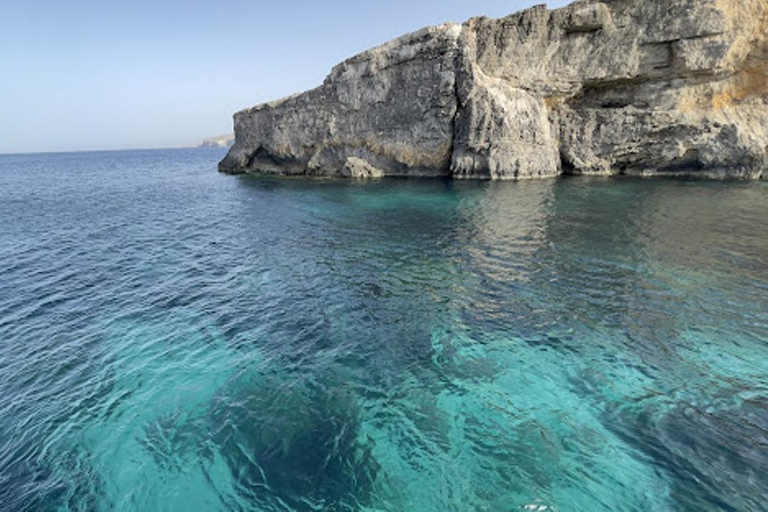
[[222, 141], [619, 87]]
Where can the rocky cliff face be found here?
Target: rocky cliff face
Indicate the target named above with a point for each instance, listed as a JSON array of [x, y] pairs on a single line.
[[642, 87]]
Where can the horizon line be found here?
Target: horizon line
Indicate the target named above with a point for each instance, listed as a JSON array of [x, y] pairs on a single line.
[[115, 150]]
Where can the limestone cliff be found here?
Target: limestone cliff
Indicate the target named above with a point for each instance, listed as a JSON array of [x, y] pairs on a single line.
[[642, 87]]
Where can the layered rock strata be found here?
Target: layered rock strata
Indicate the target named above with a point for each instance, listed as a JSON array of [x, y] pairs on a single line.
[[640, 87]]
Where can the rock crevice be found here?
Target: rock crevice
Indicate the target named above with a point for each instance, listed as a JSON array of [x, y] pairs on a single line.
[[635, 87]]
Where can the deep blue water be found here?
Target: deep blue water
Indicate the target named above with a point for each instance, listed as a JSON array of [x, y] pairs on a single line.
[[175, 339]]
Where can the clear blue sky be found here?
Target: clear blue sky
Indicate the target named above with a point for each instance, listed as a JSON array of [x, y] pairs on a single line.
[[110, 74]]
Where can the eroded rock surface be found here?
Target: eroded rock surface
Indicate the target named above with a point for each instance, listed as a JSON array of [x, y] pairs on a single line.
[[647, 87]]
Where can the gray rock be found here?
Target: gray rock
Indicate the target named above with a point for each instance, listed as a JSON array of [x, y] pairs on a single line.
[[634, 87], [392, 107]]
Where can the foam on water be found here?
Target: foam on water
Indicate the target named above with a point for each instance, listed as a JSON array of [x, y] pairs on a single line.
[[175, 339]]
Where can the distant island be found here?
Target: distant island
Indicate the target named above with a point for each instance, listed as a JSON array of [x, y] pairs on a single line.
[[222, 141], [621, 87]]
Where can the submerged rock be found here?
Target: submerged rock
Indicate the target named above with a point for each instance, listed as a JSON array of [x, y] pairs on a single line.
[[647, 88]]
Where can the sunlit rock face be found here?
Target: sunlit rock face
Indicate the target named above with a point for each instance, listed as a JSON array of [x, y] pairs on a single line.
[[388, 111], [615, 87]]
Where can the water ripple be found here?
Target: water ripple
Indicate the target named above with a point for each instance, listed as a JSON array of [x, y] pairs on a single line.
[[174, 339]]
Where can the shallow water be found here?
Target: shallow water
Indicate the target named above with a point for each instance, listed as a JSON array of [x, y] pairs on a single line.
[[175, 339]]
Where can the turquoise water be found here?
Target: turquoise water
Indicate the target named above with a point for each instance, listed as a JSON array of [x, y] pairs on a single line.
[[174, 339]]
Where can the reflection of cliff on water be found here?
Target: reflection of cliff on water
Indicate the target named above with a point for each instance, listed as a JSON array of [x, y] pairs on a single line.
[[492, 321], [645, 267]]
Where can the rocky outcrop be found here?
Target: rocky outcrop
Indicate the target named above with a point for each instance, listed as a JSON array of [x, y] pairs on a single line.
[[392, 108], [641, 87]]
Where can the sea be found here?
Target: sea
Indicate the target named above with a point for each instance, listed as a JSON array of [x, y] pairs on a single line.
[[175, 339]]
